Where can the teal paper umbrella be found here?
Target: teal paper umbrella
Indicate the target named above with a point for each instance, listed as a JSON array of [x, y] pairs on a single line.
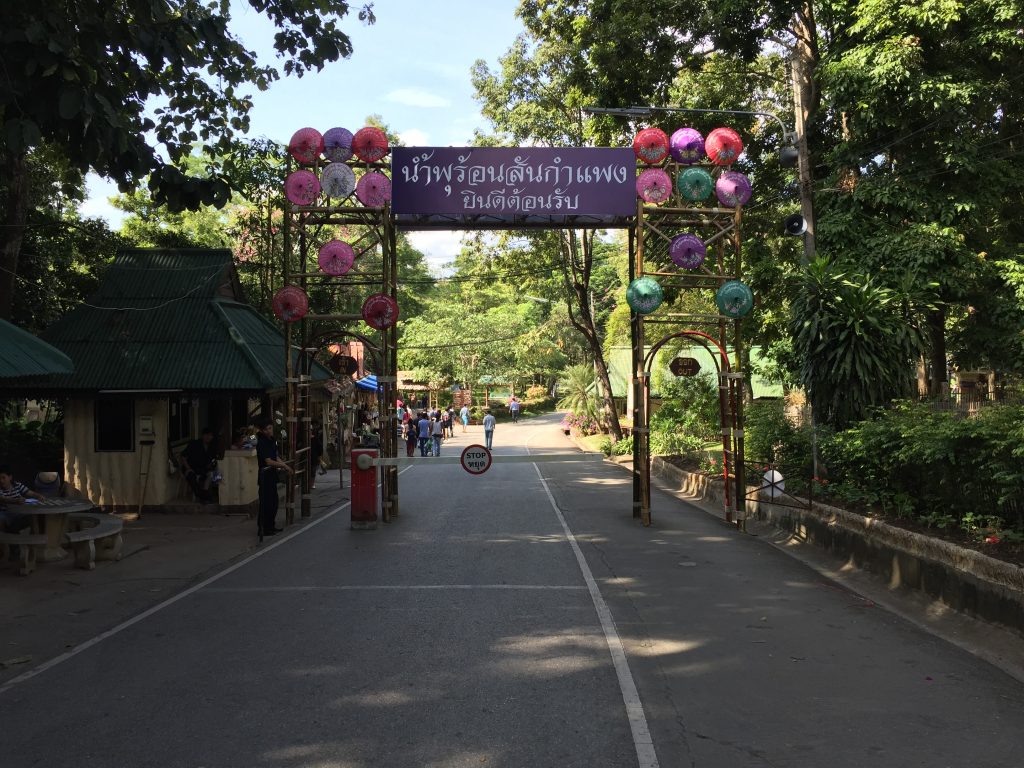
[[734, 299], [644, 295], [695, 184]]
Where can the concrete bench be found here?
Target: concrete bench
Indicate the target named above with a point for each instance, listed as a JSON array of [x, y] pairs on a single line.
[[27, 544], [94, 536]]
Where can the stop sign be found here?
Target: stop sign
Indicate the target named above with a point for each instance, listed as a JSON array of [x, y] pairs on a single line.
[[476, 459]]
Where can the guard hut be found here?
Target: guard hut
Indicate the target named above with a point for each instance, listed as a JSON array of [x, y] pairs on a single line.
[[166, 346]]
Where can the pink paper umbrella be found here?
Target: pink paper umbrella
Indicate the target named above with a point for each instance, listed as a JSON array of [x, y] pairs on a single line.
[[302, 187], [380, 311], [687, 146], [338, 145], [374, 189], [654, 186], [338, 181], [687, 251], [306, 145], [370, 144], [723, 146], [732, 189], [651, 145], [335, 257], [290, 304]]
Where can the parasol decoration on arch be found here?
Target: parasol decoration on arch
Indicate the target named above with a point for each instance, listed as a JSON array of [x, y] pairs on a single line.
[[335, 258], [374, 189], [338, 181], [302, 187], [687, 146], [338, 145], [380, 311], [733, 189], [651, 146], [723, 146], [695, 184], [654, 186], [370, 144], [290, 304], [306, 145], [687, 251]]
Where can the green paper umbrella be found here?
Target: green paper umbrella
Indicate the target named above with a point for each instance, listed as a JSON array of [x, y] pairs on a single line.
[[644, 295], [734, 299], [695, 184]]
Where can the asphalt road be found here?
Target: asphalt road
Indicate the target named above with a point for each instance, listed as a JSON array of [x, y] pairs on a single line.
[[519, 619]]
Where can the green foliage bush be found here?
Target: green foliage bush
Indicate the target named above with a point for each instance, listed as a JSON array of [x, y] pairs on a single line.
[[688, 417], [32, 447], [769, 438], [937, 467]]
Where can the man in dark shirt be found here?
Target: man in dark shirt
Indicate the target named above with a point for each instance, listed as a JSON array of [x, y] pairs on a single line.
[[198, 461], [268, 461]]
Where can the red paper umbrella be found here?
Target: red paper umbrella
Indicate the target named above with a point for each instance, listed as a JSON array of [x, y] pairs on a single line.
[[687, 146], [338, 145], [370, 144], [732, 189], [380, 311], [335, 257], [306, 145], [290, 304], [654, 186], [338, 181], [374, 189], [687, 251], [723, 146], [651, 145], [302, 187]]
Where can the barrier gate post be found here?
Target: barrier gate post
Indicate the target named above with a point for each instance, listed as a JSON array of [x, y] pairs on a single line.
[[363, 488]]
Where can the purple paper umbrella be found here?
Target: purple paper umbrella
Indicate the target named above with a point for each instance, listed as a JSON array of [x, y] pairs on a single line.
[[302, 187], [654, 186], [687, 146], [732, 189], [335, 257], [374, 189], [687, 251], [306, 145], [338, 145]]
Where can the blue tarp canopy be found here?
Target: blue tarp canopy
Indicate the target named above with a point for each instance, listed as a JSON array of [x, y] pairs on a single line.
[[368, 382]]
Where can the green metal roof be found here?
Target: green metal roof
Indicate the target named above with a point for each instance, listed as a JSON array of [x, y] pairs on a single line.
[[27, 355], [167, 319], [620, 369]]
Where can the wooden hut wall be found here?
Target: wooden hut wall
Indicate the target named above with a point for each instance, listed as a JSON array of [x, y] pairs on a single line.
[[112, 479]]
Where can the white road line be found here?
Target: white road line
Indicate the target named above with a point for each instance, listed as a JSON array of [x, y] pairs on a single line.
[[160, 606], [645, 753], [395, 587]]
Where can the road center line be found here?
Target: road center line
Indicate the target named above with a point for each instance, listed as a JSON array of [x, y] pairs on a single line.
[[646, 756]]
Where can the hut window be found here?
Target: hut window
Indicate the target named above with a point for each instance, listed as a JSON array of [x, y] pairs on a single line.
[[115, 425]]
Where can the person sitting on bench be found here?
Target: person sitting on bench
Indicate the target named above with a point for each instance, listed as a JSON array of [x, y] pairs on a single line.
[[12, 492], [198, 462]]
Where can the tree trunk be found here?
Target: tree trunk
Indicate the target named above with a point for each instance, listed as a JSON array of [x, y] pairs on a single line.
[[15, 209], [805, 104], [938, 383]]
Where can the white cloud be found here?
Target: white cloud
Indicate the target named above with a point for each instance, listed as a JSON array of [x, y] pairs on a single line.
[[414, 137], [96, 204], [416, 97], [439, 246]]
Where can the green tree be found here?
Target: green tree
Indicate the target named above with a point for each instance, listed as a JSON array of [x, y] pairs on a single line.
[[118, 86]]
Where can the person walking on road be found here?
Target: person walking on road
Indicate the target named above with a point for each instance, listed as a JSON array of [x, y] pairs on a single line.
[[489, 424], [437, 434], [424, 433], [410, 437], [464, 415], [513, 408]]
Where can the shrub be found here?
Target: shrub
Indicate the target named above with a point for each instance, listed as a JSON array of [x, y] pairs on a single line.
[[536, 392], [580, 424]]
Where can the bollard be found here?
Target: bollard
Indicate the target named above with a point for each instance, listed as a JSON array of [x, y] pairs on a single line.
[[363, 488]]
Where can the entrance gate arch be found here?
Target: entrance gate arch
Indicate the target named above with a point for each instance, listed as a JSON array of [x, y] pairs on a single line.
[[652, 191]]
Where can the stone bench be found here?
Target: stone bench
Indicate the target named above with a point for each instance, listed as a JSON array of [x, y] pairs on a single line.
[[27, 544], [94, 536]]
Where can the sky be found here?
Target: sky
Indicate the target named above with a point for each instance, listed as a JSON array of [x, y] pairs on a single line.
[[411, 67]]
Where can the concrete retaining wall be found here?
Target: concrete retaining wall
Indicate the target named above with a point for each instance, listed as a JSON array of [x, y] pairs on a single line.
[[960, 578]]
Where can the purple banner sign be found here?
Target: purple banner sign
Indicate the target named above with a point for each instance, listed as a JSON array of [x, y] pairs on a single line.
[[513, 183]]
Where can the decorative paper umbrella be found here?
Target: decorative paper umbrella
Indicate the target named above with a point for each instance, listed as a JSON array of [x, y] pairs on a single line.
[[651, 145], [335, 257], [695, 184], [723, 146], [687, 251], [732, 189], [734, 299], [380, 311], [687, 146], [290, 304], [654, 186], [302, 187], [374, 189], [644, 295], [338, 180], [338, 145], [306, 145], [370, 144]]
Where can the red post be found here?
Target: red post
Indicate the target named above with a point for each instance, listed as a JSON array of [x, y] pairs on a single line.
[[364, 488]]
